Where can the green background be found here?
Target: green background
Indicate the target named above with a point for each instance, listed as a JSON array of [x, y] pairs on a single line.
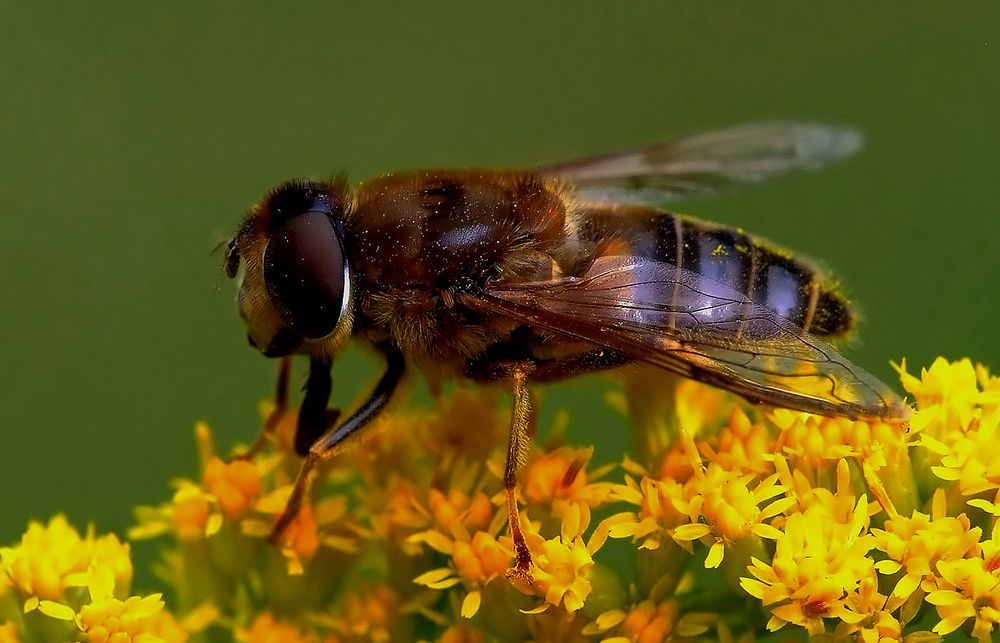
[[133, 137]]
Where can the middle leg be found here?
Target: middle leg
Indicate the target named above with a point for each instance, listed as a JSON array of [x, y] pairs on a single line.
[[521, 422]]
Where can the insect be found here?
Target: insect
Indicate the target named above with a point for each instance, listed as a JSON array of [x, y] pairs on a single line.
[[529, 276]]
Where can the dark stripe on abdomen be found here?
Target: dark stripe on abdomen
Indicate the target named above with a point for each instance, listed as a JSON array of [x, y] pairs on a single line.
[[768, 275]]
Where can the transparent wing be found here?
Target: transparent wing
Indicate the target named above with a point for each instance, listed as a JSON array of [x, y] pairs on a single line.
[[709, 163], [700, 328]]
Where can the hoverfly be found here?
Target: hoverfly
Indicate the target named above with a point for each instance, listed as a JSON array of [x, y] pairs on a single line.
[[529, 276]]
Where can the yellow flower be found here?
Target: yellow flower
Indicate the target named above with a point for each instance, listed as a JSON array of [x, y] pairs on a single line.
[[840, 502], [989, 401], [481, 560], [476, 561], [302, 538], [463, 525], [462, 633], [971, 459], [714, 504], [52, 557], [417, 520], [400, 514], [658, 515], [879, 443], [651, 622], [741, 445], [811, 440], [197, 511], [191, 511], [561, 571], [644, 623], [562, 564], [457, 512], [266, 629], [958, 414], [870, 620], [235, 485], [817, 562], [164, 625], [8, 633], [558, 479], [372, 613], [969, 589], [917, 544], [454, 505], [107, 619], [731, 510], [946, 394], [675, 465]]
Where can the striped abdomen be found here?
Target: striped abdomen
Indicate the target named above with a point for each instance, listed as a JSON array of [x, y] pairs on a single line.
[[768, 275]]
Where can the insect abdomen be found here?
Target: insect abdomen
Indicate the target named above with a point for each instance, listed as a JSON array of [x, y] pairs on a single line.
[[768, 275]]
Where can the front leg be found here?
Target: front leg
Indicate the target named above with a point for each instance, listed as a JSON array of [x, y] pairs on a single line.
[[330, 443], [315, 416]]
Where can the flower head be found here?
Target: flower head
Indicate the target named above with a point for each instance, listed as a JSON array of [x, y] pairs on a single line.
[[650, 621], [476, 560], [818, 561], [741, 445], [915, 545], [854, 530], [946, 393], [371, 613], [235, 485], [559, 479], [267, 629], [563, 563], [110, 620], [53, 557]]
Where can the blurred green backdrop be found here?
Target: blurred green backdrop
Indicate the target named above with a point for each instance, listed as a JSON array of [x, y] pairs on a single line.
[[134, 135]]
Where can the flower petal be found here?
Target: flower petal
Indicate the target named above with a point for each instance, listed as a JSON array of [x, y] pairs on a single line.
[[31, 604], [906, 586], [434, 576], [888, 567], [471, 603], [56, 610], [753, 587], [692, 531], [943, 597], [715, 555], [765, 530]]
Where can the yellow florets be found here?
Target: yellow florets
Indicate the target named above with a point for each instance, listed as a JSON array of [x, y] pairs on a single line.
[[818, 561], [563, 563], [729, 521], [50, 558]]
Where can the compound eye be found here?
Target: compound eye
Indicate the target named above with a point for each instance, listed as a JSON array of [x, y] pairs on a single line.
[[304, 273]]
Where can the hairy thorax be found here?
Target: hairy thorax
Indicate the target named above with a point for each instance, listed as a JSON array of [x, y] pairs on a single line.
[[419, 240]]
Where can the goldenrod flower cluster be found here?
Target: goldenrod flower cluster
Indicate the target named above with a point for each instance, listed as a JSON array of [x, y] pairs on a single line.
[[726, 522]]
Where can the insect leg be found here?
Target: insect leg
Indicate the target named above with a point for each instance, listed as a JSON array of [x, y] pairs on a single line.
[[329, 444], [521, 420], [315, 418], [280, 408]]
